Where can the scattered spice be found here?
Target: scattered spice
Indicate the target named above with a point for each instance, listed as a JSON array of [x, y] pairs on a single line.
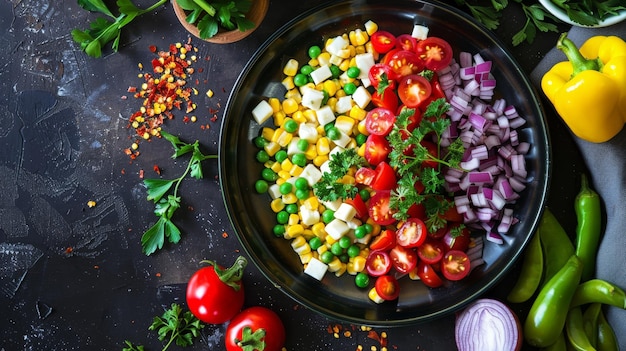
[[224, 235], [91, 203]]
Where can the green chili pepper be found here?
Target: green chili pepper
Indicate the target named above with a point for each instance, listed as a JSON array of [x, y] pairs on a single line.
[[590, 322], [574, 328], [589, 228], [556, 244], [607, 341], [530, 273], [547, 315], [559, 345], [600, 291]]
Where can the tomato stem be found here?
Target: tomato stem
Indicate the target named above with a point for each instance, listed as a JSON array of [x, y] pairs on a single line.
[[230, 276]]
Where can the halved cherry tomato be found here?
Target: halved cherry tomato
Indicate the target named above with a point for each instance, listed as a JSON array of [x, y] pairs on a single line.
[[414, 120], [428, 275], [384, 241], [381, 75], [455, 265], [379, 121], [412, 233], [435, 52], [387, 287], [376, 149], [359, 205], [417, 211], [385, 178], [379, 210], [364, 176], [431, 251], [383, 41], [403, 259], [413, 90], [457, 238], [378, 263], [404, 62], [406, 42], [387, 98]]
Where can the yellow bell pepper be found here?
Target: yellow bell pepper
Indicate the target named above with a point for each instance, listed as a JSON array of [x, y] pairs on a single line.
[[589, 90]]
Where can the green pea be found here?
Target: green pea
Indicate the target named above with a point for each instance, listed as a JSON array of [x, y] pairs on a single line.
[[314, 51], [281, 155], [353, 72], [260, 142], [360, 232], [300, 79], [290, 126], [328, 216], [291, 208], [302, 194], [282, 217], [261, 186], [345, 242], [353, 251], [262, 156], [336, 249], [301, 183], [368, 227], [269, 175], [344, 258], [279, 230], [362, 280], [365, 194], [285, 188], [333, 133], [327, 257], [302, 144], [315, 243], [298, 159], [306, 70], [360, 139], [335, 70], [349, 88]]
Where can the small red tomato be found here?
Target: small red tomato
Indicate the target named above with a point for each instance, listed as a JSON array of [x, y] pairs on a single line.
[[383, 41], [380, 120], [412, 233], [435, 52], [387, 287], [377, 149], [428, 275], [455, 265], [379, 210], [383, 241], [215, 295], [378, 263], [385, 177], [403, 259], [413, 90], [252, 328]]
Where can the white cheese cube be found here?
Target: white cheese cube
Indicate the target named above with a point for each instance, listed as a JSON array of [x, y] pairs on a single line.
[[362, 97], [335, 60], [354, 223], [343, 140], [344, 104], [364, 62], [366, 82], [321, 74], [311, 98], [292, 148], [419, 32], [332, 205], [308, 132], [262, 111], [316, 268], [274, 191], [345, 212], [337, 228], [311, 173], [337, 44], [308, 216], [325, 115]]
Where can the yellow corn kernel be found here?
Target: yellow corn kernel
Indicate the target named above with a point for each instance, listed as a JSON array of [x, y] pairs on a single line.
[[280, 181], [290, 199], [279, 118], [320, 160], [291, 68], [344, 65], [319, 230], [306, 257], [358, 263], [341, 270], [324, 59], [290, 106], [311, 152], [314, 62], [284, 139], [345, 124], [288, 83], [283, 175], [320, 250], [320, 130], [267, 133], [308, 233], [298, 242], [351, 144], [294, 94], [299, 117], [361, 37], [335, 265], [276, 167], [275, 104], [373, 295], [293, 231], [311, 203], [360, 50], [361, 150], [322, 146], [357, 113], [371, 27], [296, 170], [304, 249], [277, 134], [376, 228], [340, 94], [272, 148], [330, 86], [277, 205], [347, 179], [310, 116], [332, 102], [286, 165]]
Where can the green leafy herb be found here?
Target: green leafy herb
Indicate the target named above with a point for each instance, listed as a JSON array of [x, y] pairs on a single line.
[[130, 347], [409, 166], [329, 188], [590, 12], [165, 206], [104, 30], [210, 17], [535, 19]]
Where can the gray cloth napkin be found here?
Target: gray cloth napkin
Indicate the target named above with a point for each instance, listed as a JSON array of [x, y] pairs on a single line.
[[606, 162]]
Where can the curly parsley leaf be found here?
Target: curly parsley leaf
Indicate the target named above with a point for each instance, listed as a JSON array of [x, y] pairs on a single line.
[[177, 326], [329, 188]]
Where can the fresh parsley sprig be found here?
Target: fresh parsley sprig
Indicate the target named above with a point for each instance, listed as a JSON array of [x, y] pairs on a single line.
[[329, 188], [175, 326], [104, 30], [165, 206], [590, 12], [210, 17]]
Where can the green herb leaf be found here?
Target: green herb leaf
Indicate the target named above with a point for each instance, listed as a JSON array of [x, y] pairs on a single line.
[[329, 188], [177, 326], [130, 347], [156, 188], [95, 6]]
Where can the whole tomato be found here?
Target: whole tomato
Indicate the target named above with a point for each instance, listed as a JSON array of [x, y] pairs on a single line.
[[255, 328], [215, 295]]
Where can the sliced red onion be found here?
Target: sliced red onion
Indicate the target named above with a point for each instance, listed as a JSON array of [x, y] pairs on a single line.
[[488, 324], [495, 238]]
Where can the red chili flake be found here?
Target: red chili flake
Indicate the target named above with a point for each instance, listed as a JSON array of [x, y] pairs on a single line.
[[186, 119], [158, 274], [156, 169], [69, 250], [96, 267], [224, 235], [141, 174], [124, 97], [372, 334], [212, 110], [123, 171], [214, 118], [132, 89], [152, 48]]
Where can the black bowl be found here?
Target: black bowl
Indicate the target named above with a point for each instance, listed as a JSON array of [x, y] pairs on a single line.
[[253, 220]]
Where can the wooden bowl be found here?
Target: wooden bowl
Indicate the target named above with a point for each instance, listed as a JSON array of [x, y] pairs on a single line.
[[256, 14]]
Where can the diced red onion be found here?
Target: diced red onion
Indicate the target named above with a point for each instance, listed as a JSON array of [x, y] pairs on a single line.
[[487, 324]]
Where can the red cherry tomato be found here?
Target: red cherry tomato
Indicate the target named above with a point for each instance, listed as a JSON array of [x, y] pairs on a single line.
[[376, 149], [403, 259], [387, 287], [359, 205], [379, 210], [387, 99], [436, 53], [384, 241], [364, 176], [256, 318], [455, 265], [404, 62], [378, 263], [414, 120], [456, 238], [379, 121], [431, 251], [385, 178], [212, 300], [413, 90], [406, 42], [383, 41], [381, 75], [412, 233], [433, 151], [428, 275]]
